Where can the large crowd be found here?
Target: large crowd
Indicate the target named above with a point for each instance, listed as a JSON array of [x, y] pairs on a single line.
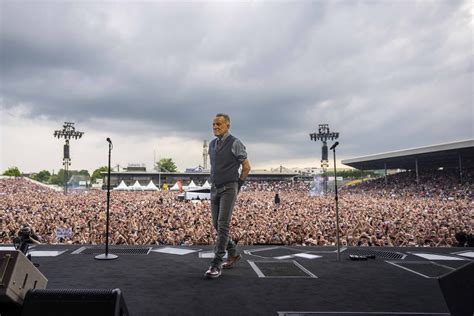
[[401, 212]]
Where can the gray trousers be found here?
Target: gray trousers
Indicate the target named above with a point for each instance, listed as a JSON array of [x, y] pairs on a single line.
[[222, 205]]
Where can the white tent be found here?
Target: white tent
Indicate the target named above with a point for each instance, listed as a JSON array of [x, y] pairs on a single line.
[[175, 187], [151, 187], [122, 187], [191, 186], [206, 185], [136, 186]]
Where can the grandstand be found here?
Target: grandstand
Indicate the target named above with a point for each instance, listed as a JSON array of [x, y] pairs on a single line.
[[455, 155]]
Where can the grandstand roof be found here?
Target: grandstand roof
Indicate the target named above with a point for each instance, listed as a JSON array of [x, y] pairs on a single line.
[[429, 157]]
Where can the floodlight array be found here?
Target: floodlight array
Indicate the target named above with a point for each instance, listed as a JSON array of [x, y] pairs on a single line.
[[68, 132]]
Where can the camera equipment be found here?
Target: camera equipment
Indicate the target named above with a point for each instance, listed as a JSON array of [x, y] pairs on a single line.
[[22, 243], [24, 238]]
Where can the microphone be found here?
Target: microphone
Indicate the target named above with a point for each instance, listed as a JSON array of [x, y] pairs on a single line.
[[109, 141], [334, 145]]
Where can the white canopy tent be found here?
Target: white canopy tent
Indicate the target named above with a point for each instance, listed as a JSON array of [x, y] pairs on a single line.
[[175, 187], [136, 186], [206, 185], [151, 187], [122, 187], [192, 185]]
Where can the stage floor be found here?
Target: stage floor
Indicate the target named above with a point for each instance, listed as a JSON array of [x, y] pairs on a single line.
[[269, 280]]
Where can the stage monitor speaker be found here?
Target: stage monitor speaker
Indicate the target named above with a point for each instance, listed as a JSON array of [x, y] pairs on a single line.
[[458, 290], [74, 302], [17, 276]]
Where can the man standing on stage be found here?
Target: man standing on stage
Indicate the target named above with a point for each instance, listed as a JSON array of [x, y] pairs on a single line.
[[227, 154]]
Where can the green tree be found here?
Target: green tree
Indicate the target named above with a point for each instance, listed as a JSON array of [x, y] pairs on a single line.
[[12, 172], [42, 176], [58, 178], [97, 173], [84, 173], [166, 165]]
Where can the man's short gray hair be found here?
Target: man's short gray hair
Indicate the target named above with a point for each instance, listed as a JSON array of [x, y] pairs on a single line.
[[225, 116]]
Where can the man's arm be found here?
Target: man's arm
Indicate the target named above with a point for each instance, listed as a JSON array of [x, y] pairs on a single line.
[[35, 239], [245, 169], [239, 151], [244, 173]]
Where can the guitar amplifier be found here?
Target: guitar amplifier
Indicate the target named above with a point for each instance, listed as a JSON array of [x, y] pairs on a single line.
[[17, 276]]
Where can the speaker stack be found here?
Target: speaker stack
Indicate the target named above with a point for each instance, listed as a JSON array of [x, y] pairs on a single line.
[[72, 302], [17, 276], [23, 292], [458, 290]]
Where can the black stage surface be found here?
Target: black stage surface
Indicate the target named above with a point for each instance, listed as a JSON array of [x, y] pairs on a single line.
[[269, 280]]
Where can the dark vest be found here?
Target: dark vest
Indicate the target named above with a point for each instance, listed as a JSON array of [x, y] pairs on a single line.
[[224, 165]]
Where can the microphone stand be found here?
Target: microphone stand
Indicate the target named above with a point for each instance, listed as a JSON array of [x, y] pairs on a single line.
[[107, 255], [333, 147]]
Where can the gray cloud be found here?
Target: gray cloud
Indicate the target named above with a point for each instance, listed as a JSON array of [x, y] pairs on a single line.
[[386, 75]]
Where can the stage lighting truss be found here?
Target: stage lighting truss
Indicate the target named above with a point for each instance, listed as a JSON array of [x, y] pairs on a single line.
[[324, 134], [68, 132]]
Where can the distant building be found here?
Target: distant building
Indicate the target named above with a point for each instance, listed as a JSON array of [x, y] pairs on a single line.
[[170, 178], [197, 169], [137, 167], [98, 184]]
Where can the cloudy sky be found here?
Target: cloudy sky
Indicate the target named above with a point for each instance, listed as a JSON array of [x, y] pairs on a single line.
[[387, 75]]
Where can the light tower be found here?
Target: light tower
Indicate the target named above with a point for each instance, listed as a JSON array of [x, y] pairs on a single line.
[[67, 132], [324, 135], [205, 154]]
